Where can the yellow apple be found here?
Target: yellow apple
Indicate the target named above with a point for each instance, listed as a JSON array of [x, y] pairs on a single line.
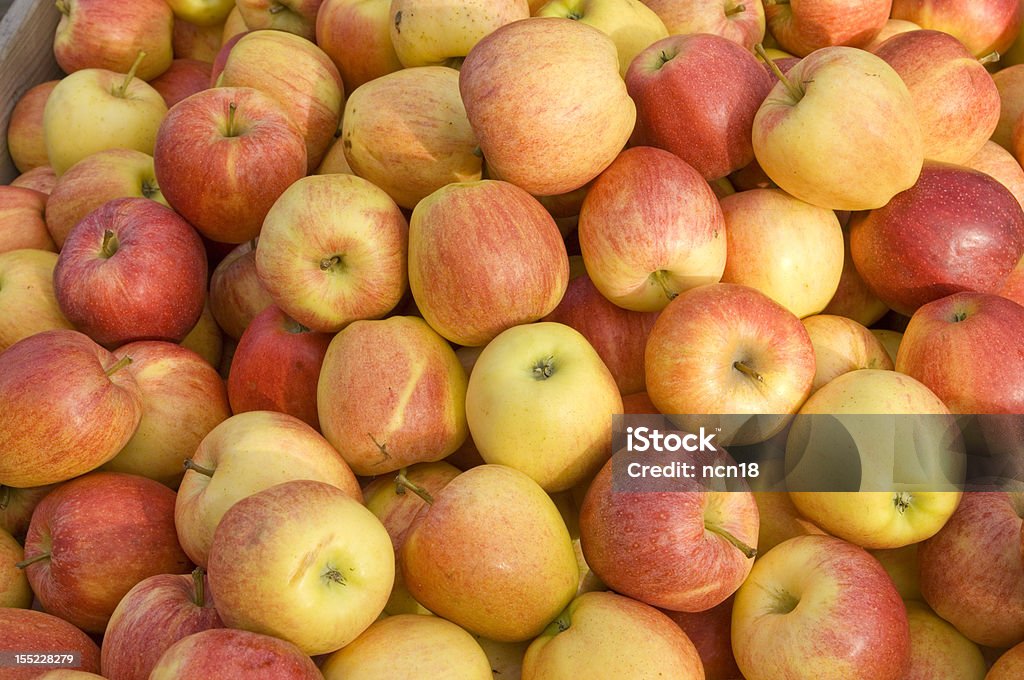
[[27, 302], [202, 12], [14, 588], [442, 32], [842, 345]]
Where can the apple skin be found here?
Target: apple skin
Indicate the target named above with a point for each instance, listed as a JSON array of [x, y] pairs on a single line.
[[276, 366], [206, 338], [458, 272], [997, 162], [713, 82], [22, 221], [853, 299], [808, 25], [27, 301], [831, 604], [41, 179], [983, 28], [709, 632], [650, 228], [779, 519], [63, 415], [984, 599], [25, 140], [152, 616], [931, 240], [431, 33], [741, 22], [1010, 83], [16, 506], [184, 77], [236, 293], [14, 588], [191, 41], [1009, 665], [227, 653], [26, 629], [224, 178], [529, 124], [291, 16], [892, 27], [938, 650], [98, 34], [302, 561], [132, 270], [356, 35], [842, 345], [202, 12], [104, 532]]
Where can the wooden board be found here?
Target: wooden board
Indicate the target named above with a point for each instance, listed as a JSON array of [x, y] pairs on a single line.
[[26, 59]]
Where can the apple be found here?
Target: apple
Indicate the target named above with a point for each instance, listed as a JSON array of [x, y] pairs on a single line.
[[97, 34], [223, 156], [807, 25], [983, 28], [93, 538], [779, 518], [819, 607], [714, 83], [22, 221], [356, 35], [205, 338], [879, 155], [890, 339], [192, 41], [1009, 665], [94, 180], [182, 78], [237, 295], [729, 349], [68, 674], [68, 407], [291, 16], [202, 12], [302, 561], [152, 616], [853, 299], [432, 32], [956, 100], [335, 163], [333, 250], [243, 455], [25, 141], [997, 162], [16, 506], [931, 240], [427, 646], [650, 228], [1010, 83], [741, 22], [469, 244], [892, 27], [27, 629], [450, 563], [938, 650], [276, 366], [27, 302], [842, 345], [548, 135], [14, 589], [96, 109], [234, 26], [41, 179], [902, 566], [709, 632], [222, 652]]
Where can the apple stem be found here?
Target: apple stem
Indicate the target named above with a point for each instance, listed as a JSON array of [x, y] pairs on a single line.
[[661, 278], [902, 500], [330, 263], [737, 9], [747, 551], [190, 465], [747, 371], [121, 363], [110, 244], [402, 482], [544, 368], [62, 7], [794, 91], [575, 16], [199, 585], [150, 188], [990, 58], [32, 560], [5, 496], [276, 8], [232, 107], [120, 92]]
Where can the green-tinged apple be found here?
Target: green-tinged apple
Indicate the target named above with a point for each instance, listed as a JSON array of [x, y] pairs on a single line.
[[182, 79], [1009, 665], [183, 398], [1010, 83], [298, 75], [890, 340], [245, 454], [650, 228], [92, 539], [26, 629], [853, 299], [739, 21], [955, 230], [206, 338], [956, 100], [276, 367], [407, 132], [356, 35], [302, 561], [152, 616], [104, 35], [391, 393], [807, 25], [789, 250], [711, 81], [14, 588], [491, 553], [983, 27], [25, 141], [428, 646], [938, 651], [892, 27], [997, 162], [291, 16], [540, 400], [606, 635], [94, 180], [133, 269], [537, 130], [22, 220], [192, 41], [779, 520], [222, 158], [16, 506], [202, 12], [41, 179], [902, 566], [729, 349], [471, 243], [817, 607], [709, 632], [842, 345], [332, 251], [879, 155], [983, 598], [226, 653], [27, 302], [442, 32], [95, 109], [236, 293], [69, 406]]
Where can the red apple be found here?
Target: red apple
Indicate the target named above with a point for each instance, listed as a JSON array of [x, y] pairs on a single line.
[[26, 630], [41, 179], [741, 22], [25, 128], [1010, 83], [291, 16], [807, 25], [22, 224], [997, 162], [227, 653], [192, 41], [16, 506], [1009, 665], [237, 295], [184, 77], [709, 632], [984, 27], [853, 299], [356, 35]]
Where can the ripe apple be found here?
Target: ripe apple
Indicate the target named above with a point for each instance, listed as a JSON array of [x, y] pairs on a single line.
[[192, 41], [68, 407], [1010, 83], [41, 179], [206, 338], [938, 650], [222, 158], [471, 243], [1009, 665], [807, 25], [202, 12], [541, 132], [714, 83], [842, 345], [333, 250], [650, 228], [234, 26], [184, 77], [433, 33], [223, 652], [1013, 287], [22, 221], [290, 16], [26, 629], [709, 632], [25, 140], [356, 35], [741, 22], [892, 27], [93, 538], [779, 518], [16, 506], [853, 299], [997, 162], [890, 339], [302, 561], [879, 155], [14, 589], [236, 293], [902, 566], [27, 302], [983, 28]]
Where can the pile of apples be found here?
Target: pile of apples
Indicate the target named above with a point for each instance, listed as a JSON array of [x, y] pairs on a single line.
[[315, 314]]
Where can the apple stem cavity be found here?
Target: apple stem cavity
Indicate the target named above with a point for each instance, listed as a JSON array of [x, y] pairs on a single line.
[[333, 263], [294, 327], [454, 62], [128, 77], [736, 9], [121, 363], [231, 132], [5, 497], [196, 467], [902, 500], [990, 58], [544, 368], [793, 90], [748, 371], [199, 586], [334, 575], [110, 244], [402, 482], [747, 551], [785, 602], [660, 277], [32, 560], [276, 8]]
